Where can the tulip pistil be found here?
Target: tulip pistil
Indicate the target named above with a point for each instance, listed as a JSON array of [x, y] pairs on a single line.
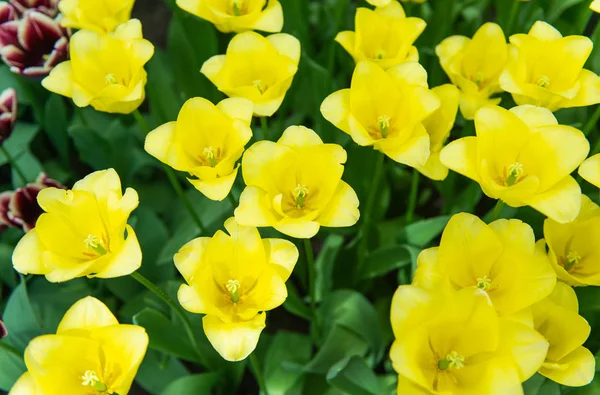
[[380, 54], [237, 7], [484, 283], [300, 193], [93, 242], [452, 361], [573, 259], [209, 154], [384, 124], [90, 379], [543, 81], [259, 84], [233, 287], [110, 79], [515, 172]]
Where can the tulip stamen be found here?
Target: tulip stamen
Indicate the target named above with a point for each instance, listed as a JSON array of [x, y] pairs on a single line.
[[209, 154], [259, 84], [573, 259], [110, 79], [515, 172], [300, 193], [479, 79], [237, 7], [543, 81], [484, 283], [233, 287], [452, 361], [384, 124], [380, 54], [90, 379], [94, 242]]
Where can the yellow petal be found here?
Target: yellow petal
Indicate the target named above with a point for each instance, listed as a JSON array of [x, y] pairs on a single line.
[[561, 203], [336, 109], [212, 67], [409, 73], [159, 144], [411, 307], [298, 228], [434, 168], [589, 90], [575, 370], [125, 261], [449, 48], [25, 385], [60, 79], [413, 152], [460, 156], [87, 313], [237, 108], [271, 18], [190, 256], [342, 209], [544, 31], [217, 188], [429, 275], [299, 136], [470, 104], [526, 346], [486, 54], [236, 340], [347, 39], [590, 170], [534, 117], [283, 254], [286, 45], [27, 256], [259, 169], [253, 209], [439, 124]]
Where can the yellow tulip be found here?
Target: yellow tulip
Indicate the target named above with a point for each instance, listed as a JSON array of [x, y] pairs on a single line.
[[386, 110], [295, 185], [237, 15], [595, 6], [523, 157], [573, 250], [105, 71], [474, 66], [82, 232], [501, 258], [546, 69], [257, 68], [102, 16], [558, 320], [385, 36], [205, 141], [91, 353], [456, 344], [234, 279], [438, 126], [414, 1], [379, 3], [590, 170]]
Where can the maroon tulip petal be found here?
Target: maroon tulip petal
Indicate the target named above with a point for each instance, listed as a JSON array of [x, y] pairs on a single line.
[[7, 13], [3, 330], [13, 56], [9, 33], [4, 203]]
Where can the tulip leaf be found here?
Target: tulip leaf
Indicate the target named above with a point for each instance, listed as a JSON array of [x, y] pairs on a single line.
[[294, 303], [194, 384], [421, 233], [324, 264], [56, 123], [7, 273], [12, 368], [539, 385], [339, 344], [158, 370], [19, 140], [352, 376], [29, 165], [286, 355], [20, 318], [92, 148], [384, 260]]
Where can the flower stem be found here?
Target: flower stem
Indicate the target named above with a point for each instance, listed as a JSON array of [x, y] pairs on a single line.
[[265, 127], [258, 373], [312, 290], [11, 349], [13, 164], [511, 17], [412, 202], [176, 308], [592, 122], [172, 177], [497, 210]]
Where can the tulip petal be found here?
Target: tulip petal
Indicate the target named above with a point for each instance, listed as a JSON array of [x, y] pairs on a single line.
[[25, 385], [212, 67], [561, 203], [236, 340], [27, 256], [124, 262], [413, 152], [575, 370], [342, 209], [191, 300], [283, 254], [217, 188], [534, 117], [300, 136], [270, 19], [253, 209], [429, 275], [407, 386], [159, 144], [449, 48], [434, 168], [347, 39], [190, 256], [544, 31], [411, 307], [336, 109], [298, 228], [258, 169], [60, 80], [409, 73], [589, 90], [87, 313], [460, 156], [237, 108], [590, 170], [524, 345]]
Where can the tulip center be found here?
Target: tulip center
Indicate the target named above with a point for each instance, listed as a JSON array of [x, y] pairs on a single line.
[[110, 79], [380, 54], [543, 81], [484, 283], [573, 259], [236, 6], [300, 193], [452, 361], [95, 243], [233, 287], [260, 85], [90, 379], [209, 154], [478, 79], [514, 174], [384, 124]]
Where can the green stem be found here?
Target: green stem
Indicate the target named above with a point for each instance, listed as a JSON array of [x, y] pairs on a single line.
[[412, 202], [187, 325], [511, 18], [172, 177], [312, 277], [497, 210], [363, 246], [341, 9], [13, 164], [11, 349], [592, 122], [258, 373], [265, 127], [232, 200]]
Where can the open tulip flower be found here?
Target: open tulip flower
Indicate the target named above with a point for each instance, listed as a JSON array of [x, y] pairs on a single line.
[[8, 113], [257, 68], [546, 69], [237, 15], [475, 65], [523, 157], [557, 319], [386, 110], [573, 251], [102, 16], [501, 258], [457, 344], [384, 35], [233, 279], [91, 353], [295, 185], [105, 71], [82, 232], [590, 170], [206, 141], [595, 6]]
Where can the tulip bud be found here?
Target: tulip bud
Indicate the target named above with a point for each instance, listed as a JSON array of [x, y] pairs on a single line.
[[32, 41], [8, 113], [20, 209]]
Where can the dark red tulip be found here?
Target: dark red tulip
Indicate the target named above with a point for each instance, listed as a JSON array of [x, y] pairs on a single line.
[[8, 113]]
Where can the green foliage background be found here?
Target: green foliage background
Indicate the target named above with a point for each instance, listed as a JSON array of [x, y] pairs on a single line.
[[345, 350]]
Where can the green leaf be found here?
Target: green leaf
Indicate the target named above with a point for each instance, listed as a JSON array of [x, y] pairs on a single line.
[[12, 369], [20, 319], [195, 384], [284, 359], [421, 233], [92, 149], [324, 264], [354, 377], [294, 303], [56, 123], [158, 370], [384, 260], [29, 165], [539, 385], [19, 140], [7, 272], [340, 343]]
